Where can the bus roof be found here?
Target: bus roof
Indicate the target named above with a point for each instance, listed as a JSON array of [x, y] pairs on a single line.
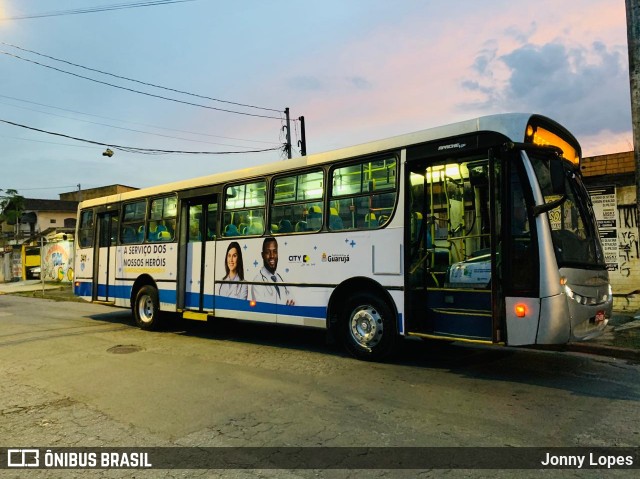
[[511, 125]]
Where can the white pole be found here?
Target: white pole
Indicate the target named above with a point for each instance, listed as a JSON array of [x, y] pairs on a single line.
[[42, 263]]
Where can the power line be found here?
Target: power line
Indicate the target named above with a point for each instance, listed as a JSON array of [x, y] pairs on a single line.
[[45, 188], [137, 91], [139, 81], [126, 129], [103, 8], [125, 121], [46, 142], [132, 149]]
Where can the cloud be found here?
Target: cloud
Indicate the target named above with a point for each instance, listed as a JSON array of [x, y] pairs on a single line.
[[359, 83], [582, 86], [306, 83]]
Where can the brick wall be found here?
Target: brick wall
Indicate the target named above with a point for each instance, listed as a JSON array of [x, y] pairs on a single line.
[[611, 164]]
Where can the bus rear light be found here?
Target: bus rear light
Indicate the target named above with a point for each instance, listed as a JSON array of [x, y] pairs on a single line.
[[521, 310]]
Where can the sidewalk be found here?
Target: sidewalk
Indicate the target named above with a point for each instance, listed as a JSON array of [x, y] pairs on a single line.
[[29, 285], [621, 338]]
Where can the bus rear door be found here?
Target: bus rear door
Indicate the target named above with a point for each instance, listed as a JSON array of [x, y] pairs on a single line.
[[104, 268], [197, 257]]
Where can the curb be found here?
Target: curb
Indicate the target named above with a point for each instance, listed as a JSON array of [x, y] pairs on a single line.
[[604, 350]]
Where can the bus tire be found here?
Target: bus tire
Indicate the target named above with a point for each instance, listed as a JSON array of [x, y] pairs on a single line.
[[146, 308], [367, 327]]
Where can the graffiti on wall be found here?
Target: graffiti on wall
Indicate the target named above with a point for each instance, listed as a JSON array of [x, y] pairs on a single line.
[[628, 246], [58, 262]]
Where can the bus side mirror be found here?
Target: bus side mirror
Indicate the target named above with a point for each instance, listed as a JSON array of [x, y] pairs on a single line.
[[556, 170]]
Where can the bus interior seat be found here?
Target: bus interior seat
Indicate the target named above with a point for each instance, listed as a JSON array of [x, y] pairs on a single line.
[[335, 222], [285, 226], [141, 234], [314, 218], [370, 220], [231, 230], [128, 235], [301, 226], [256, 227], [164, 236], [155, 232]]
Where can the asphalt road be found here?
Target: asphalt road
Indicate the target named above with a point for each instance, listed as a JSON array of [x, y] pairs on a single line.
[[80, 375]]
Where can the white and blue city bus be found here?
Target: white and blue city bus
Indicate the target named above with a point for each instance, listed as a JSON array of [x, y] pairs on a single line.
[[477, 231]]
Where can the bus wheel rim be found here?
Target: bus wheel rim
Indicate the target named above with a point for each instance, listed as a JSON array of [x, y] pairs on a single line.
[[146, 309], [366, 326]]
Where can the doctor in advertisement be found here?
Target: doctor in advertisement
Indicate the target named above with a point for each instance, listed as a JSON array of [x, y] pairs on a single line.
[[271, 291]]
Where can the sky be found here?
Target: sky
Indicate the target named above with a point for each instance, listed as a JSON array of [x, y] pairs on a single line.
[[356, 70]]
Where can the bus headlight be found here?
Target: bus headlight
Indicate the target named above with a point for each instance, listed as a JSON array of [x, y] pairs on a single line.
[[580, 299]]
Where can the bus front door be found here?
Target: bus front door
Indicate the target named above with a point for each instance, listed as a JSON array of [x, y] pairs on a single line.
[[452, 256], [199, 256], [104, 267]]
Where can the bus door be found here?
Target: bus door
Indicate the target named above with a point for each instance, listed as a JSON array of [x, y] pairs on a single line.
[[197, 254], [452, 261], [104, 267]]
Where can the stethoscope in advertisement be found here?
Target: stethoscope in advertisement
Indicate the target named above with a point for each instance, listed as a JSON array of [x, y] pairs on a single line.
[[267, 279]]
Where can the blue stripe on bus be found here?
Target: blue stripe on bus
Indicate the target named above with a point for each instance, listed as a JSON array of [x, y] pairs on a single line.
[[120, 292], [192, 301], [82, 288], [221, 302]]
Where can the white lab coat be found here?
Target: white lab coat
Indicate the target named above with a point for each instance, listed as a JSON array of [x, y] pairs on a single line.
[[270, 292]]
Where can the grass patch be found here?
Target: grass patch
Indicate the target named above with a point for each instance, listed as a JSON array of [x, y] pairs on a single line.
[[61, 293]]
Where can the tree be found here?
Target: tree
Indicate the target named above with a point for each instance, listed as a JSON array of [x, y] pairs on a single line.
[[11, 207]]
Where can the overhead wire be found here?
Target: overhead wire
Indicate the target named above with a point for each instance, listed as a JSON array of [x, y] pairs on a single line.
[[126, 121], [96, 9], [126, 129], [46, 142], [175, 90], [131, 149], [138, 91]]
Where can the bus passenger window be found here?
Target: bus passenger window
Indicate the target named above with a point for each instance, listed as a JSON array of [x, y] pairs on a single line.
[[162, 219], [297, 200], [133, 218], [363, 195], [244, 209], [85, 230]]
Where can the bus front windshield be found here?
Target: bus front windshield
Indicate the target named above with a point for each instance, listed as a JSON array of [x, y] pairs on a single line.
[[573, 228]]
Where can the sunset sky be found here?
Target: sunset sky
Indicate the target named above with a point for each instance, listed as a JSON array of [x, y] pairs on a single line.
[[357, 70]]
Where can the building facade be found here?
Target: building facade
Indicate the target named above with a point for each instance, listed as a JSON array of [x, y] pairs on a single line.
[[611, 181]]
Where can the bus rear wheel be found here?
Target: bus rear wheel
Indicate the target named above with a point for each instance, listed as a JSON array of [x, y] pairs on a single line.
[[146, 308], [367, 326]]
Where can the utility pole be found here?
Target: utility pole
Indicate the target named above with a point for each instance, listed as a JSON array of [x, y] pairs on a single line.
[[288, 128], [633, 41], [303, 138]]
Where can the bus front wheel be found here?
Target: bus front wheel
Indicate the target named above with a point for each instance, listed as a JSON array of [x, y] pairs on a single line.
[[146, 308], [368, 329]]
